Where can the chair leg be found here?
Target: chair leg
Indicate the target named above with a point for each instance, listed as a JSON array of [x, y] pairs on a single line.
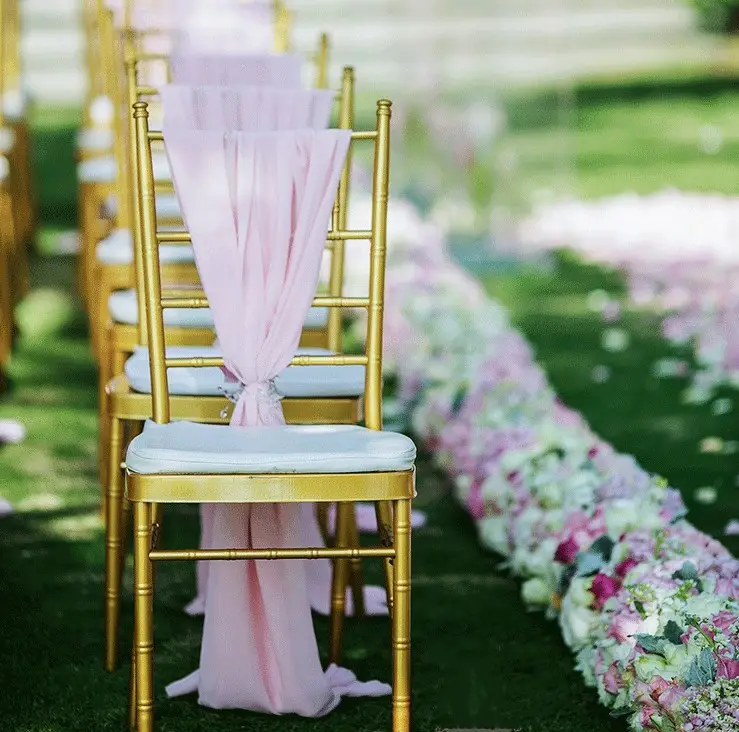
[[132, 690], [384, 514], [401, 618], [339, 582], [113, 544], [355, 567], [103, 420], [143, 632]]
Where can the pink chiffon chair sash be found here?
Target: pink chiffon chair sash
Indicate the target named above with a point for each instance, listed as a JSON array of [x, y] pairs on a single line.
[[257, 206], [254, 108], [255, 69], [259, 109]]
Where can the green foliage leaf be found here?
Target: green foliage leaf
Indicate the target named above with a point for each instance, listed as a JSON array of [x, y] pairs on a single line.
[[673, 632], [703, 669], [603, 546], [686, 572], [651, 643], [588, 564]]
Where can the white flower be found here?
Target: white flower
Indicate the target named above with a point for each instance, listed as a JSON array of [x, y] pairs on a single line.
[[577, 623], [494, 533], [536, 563], [626, 514], [579, 592], [536, 592], [649, 665]]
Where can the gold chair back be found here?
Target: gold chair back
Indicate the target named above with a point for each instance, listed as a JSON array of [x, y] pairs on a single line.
[[156, 302]]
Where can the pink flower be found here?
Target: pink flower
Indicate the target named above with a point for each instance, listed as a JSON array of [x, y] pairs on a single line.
[[724, 620], [604, 587], [623, 568], [566, 551], [727, 669], [624, 626], [475, 502], [612, 681]]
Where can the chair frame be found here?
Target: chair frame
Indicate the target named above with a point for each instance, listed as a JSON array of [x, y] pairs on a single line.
[[146, 492]]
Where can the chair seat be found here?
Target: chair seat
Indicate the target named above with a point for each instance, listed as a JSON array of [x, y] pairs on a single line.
[[95, 139], [295, 382], [118, 249], [123, 309], [15, 103], [7, 139], [104, 169], [203, 449]]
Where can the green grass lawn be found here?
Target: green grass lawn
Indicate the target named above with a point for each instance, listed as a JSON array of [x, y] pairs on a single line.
[[479, 659]]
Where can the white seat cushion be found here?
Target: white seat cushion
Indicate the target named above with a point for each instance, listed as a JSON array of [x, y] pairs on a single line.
[[123, 309], [14, 103], [190, 448], [118, 249], [7, 139], [95, 139], [294, 382], [317, 318], [104, 169]]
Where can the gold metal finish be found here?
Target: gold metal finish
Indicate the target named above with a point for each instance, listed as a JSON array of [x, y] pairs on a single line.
[[274, 488], [229, 554]]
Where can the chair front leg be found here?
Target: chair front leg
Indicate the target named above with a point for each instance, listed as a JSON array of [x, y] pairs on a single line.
[[401, 618], [143, 632]]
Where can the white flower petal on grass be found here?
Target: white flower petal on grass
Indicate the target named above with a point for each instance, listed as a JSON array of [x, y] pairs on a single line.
[[11, 432], [711, 445], [669, 368], [722, 406], [5, 508], [710, 139], [615, 340], [598, 300], [706, 495], [600, 374], [732, 528]]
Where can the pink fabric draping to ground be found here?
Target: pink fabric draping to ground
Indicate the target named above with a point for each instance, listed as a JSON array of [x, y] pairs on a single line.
[[260, 109], [257, 207]]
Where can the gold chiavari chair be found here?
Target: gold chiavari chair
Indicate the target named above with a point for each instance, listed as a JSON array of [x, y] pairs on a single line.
[[149, 484], [16, 119], [12, 186], [311, 396]]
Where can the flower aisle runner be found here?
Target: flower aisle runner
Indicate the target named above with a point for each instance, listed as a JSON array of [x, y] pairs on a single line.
[[679, 255], [649, 604]]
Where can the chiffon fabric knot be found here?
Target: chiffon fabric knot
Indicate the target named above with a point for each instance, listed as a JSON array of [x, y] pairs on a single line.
[[257, 402]]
